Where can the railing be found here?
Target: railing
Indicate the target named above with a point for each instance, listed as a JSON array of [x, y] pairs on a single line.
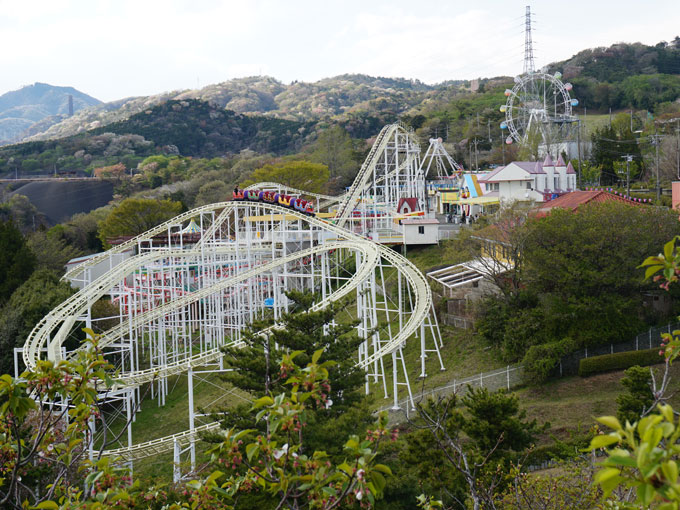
[[511, 376]]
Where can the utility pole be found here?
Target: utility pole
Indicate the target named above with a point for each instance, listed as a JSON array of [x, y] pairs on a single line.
[[628, 158], [655, 141], [503, 151], [631, 121], [578, 142]]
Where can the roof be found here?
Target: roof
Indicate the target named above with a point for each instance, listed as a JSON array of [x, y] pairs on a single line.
[[576, 199], [560, 161], [412, 203], [469, 272], [548, 161], [570, 169], [420, 221]]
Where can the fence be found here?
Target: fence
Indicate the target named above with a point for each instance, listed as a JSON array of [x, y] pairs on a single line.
[[647, 340], [505, 378], [511, 376]]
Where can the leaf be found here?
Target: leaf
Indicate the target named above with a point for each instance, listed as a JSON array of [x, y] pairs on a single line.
[[620, 460], [610, 421], [603, 441], [645, 493], [262, 402], [382, 468], [251, 450], [668, 249], [378, 480], [651, 270], [47, 505], [605, 474], [317, 355], [670, 471]]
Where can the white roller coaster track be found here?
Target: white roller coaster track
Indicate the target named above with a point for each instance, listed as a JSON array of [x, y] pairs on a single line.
[[54, 328]]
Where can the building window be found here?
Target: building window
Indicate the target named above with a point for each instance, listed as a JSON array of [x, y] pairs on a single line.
[[421, 229], [496, 186], [528, 184]]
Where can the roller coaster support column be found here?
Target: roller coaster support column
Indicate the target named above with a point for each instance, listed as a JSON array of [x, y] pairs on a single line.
[[192, 426]]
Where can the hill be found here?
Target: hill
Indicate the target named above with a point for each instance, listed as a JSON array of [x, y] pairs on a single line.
[[188, 128], [625, 75], [21, 109], [341, 98]]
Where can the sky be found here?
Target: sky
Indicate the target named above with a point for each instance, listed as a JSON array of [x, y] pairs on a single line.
[[111, 49]]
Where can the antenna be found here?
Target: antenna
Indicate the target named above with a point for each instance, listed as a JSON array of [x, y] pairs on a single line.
[[528, 45]]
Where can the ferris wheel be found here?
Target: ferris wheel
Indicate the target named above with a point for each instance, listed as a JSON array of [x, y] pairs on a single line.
[[538, 103]]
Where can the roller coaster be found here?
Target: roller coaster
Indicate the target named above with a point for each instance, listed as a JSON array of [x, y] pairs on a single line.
[[192, 285]]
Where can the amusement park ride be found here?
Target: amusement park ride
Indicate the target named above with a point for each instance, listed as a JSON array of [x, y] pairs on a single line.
[[539, 103], [194, 284]]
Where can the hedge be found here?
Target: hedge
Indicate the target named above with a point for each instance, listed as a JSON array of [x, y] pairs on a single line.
[[618, 361]]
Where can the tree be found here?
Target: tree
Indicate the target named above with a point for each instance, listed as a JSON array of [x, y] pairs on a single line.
[[134, 216], [477, 441], [211, 192], [573, 286], [276, 461], [51, 250], [29, 303], [638, 397], [312, 177], [16, 260], [306, 332], [24, 214], [334, 149]]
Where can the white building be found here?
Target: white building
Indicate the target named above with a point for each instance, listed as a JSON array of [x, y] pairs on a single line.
[[530, 180], [420, 230]]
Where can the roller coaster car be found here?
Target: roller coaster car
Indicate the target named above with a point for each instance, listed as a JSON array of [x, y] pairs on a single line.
[[285, 200], [253, 195], [238, 194]]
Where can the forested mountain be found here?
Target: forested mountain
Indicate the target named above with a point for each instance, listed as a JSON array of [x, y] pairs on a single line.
[[625, 75], [344, 98], [38, 103], [188, 128]]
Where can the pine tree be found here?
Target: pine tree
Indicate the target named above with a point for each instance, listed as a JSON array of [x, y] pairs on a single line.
[[256, 369]]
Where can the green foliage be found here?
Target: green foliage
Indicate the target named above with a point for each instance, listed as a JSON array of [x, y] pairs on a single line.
[[51, 250], [198, 128], [570, 487], [312, 177], [16, 260], [495, 420], [279, 464], [464, 453], [618, 361], [638, 397], [642, 455], [28, 304], [334, 148], [540, 361], [134, 216], [304, 332]]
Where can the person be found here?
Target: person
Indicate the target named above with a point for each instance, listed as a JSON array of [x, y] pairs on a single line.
[[463, 218]]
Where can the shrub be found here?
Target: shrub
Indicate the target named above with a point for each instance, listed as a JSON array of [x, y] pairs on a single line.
[[618, 361], [540, 360]]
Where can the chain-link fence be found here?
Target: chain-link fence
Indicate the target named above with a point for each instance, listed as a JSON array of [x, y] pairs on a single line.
[[505, 378], [647, 340], [512, 376]]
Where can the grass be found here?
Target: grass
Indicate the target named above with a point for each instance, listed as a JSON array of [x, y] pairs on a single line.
[[154, 421], [575, 402]]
